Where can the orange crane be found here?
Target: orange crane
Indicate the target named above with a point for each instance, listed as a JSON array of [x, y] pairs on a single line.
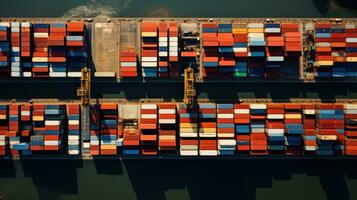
[[189, 87]]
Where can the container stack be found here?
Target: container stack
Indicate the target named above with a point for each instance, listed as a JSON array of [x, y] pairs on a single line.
[[26, 123], [351, 129], [309, 121], [167, 127], [188, 130], [149, 49], [173, 49], [225, 129], [226, 54], [294, 129], [256, 43], [4, 49], [26, 62], [258, 137], [330, 122], [292, 40], [15, 50], [242, 127], [14, 127], [128, 63], [131, 142], [94, 130], [207, 123], [148, 129], [274, 50], [57, 50], [323, 57], [108, 128], [275, 128], [73, 115], [163, 50], [38, 124], [54, 127], [351, 49], [40, 53], [76, 48], [210, 50], [240, 49]]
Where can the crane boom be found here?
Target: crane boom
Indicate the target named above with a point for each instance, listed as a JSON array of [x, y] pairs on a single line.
[[189, 87]]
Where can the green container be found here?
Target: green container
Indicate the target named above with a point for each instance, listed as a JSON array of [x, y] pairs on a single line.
[[240, 74]]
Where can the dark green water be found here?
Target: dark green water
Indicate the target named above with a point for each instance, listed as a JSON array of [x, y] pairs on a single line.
[[179, 179]]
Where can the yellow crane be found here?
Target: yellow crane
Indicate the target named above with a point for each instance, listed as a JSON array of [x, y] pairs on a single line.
[[189, 87], [85, 88]]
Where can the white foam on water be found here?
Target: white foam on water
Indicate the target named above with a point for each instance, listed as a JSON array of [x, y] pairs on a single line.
[[98, 8]]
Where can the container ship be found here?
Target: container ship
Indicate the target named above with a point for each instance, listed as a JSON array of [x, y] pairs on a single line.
[[186, 51]]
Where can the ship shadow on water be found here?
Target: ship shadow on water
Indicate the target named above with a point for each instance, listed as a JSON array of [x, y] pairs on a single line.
[[52, 178], [234, 179]]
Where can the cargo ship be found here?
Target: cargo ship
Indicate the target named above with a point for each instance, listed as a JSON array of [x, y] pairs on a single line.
[[166, 50]]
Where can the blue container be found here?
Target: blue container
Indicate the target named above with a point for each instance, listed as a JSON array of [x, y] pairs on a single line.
[[225, 106], [210, 64], [322, 30], [207, 116], [271, 25], [209, 30], [242, 129], [219, 125], [323, 35], [207, 106], [240, 44], [131, 151]]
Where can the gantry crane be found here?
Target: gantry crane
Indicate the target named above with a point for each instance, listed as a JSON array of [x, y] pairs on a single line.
[[189, 87], [85, 88]]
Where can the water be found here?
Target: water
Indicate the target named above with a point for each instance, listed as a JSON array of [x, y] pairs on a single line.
[[164, 179], [181, 8]]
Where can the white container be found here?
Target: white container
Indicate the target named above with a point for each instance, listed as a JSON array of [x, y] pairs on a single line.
[[258, 130], [119, 142], [173, 44], [309, 112], [73, 137], [73, 142], [2, 142], [16, 49], [174, 54], [104, 74], [208, 153], [73, 122], [148, 106], [275, 116], [225, 135], [149, 64], [173, 49], [167, 121], [189, 147], [40, 35], [225, 116], [128, 64], [74, 74], [2, 137], [227, 142], [27, 74], [275, 131], [73, 152], [323, 44], [173, 39], [15, 74], [52, 122], [86, 145], [7, 24], [25, 113], [163, 54], [272, 30], [255, 25], [258, 106], [186, 134], [149, 59], [240, 49], [167, 111], [25, 24], [148, 116], [52, 143], [163, 39], [188, 153], [57, 74], [163, 44], [351, 106], [241, 111], [350, 111], [256, 35], [352, 40], [275, 58], [208, 134], [94, 142]]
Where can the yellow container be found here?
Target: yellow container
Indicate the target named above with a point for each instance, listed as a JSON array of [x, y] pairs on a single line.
[[37, 118], [188, 125], [108, 146], [256, 30], [149, 34], [351, 59], [208, 130], [293, 116], [188, 130], [323, 63], [2, 116]]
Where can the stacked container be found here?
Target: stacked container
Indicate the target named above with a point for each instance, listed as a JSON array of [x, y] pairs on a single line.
[[167, 127], [240, 49], [15, 50], [54, 127], [226, 54], [330, 122], [40, 53], [38, 124], [173, 49], [292, 39], [94, 130], [225, 129], [242, 127], [57, 50], [14, 127], [131, 142], [149, 49], [256, 43], [148, 129], [73, 115], [163, 50], [4, 49], [26, 62], [188, 131], [26, 124], [351, 129], [309, 116], [274, 50], [294, 129], [210, 50], [208, 129], [323, 56], [351, 49], [108, 128], [76, 48], [128, 63], [258, 136], [275, 128]]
